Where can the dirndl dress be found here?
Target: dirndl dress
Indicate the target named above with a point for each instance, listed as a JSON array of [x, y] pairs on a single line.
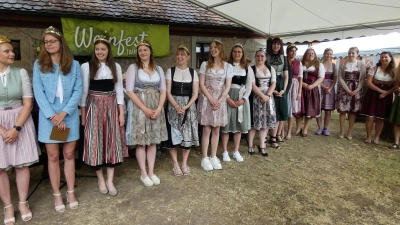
[[311, 98], [24, 150], [394, 116], [294, 90], [104, 142], [278, 62], [141, 130], [328, 99]]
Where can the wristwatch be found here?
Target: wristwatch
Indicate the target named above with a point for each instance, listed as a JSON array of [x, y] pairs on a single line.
[[18, 128]]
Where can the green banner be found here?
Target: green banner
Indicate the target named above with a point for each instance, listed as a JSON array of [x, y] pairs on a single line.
[[123, 36]]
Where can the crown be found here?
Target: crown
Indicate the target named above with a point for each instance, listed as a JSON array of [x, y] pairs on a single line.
[[144, 42], [182, 46], [52, 30], [101, 38], [216, 40], [238, 45], [4, 39], [291, 45], [276, 37]]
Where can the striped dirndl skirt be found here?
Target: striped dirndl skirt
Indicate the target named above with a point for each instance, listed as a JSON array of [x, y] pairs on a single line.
[[104, 141]]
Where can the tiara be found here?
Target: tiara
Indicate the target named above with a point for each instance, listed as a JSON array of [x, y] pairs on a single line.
[[238, 45], [276, 37], [182, 46], [261, 49], [102, 38], [52, 30], [291, 45], [216, 40], [144, 42], [4, 39]]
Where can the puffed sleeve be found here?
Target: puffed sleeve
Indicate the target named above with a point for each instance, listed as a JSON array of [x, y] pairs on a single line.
[[26, 84], [130, 78], [321, 71], [119, 89], [301, 70], [85, 83], [195, 76], [371, 71], [76, 95], [273, 75], [203, 67], [168, 74], [162, 85], [249, 82], [229, 71], [39, 92]]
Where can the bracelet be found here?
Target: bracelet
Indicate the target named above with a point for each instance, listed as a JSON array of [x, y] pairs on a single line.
[[3, 132], [268, 95]]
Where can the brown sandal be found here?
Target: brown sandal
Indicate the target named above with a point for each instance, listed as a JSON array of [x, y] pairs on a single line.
[[186, 170], [177, 171]]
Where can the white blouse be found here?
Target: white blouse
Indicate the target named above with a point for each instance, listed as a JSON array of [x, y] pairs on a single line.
[[182, 75], [272, 74], [219, 73], [351, 66], [103, 73], [239, 71], [321, 70], [379, 75], [26, 82]]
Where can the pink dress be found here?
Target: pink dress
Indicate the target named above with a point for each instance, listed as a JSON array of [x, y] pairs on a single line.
[[215, 84]]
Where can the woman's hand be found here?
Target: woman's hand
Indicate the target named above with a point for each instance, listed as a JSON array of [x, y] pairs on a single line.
[[61, 126], [58, 118], [148, 112], [178, 109], [121, 120], [240, 102], [214, 102], [276, 93], [156, 114], [281, 93], [231, 103], [384, 94], [10, 136], [299, 96], [350, 93], [265, 99]]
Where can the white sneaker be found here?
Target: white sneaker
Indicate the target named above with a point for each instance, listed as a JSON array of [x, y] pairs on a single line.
[[206, 164], [147, 181], [236, 155], [216, 164], [155, 179], [225, 157]]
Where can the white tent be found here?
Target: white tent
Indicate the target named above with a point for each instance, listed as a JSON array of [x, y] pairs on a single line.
[[309, 20], [372, 45]]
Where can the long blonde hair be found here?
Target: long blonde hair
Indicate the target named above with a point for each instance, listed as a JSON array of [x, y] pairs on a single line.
[[314, 62]]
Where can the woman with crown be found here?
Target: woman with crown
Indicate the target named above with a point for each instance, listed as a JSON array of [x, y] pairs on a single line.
[[238, 103], [57, 85], [215, 82], [18, 146], [102, 114], [146, 127], [181, 113]]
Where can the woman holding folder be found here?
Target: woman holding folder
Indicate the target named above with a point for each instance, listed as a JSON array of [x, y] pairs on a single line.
[[57, 86]]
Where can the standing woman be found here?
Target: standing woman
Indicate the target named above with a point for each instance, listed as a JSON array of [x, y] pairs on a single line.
[[182, 92], [238, 102], [277, 60], [57, 84], [313, 75], [296, 89], [18, 147], [394, 117], [263, 113], [146, 127], [379, 96], [351, 80], [102, 114], [215, 82], [327, 92]]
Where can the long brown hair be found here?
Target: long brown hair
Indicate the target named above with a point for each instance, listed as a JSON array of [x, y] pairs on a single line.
[[46, 65], [244, 62], [94, 63], [390, 68], [315, 61], [152, 63], [220, 47], [396, 78], [280, 42]]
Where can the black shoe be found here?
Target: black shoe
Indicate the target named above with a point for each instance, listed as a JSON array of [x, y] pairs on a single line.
[[251, 152], [262, 151], [274, 144]]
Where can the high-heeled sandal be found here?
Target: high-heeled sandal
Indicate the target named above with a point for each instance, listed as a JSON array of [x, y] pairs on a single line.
[[250, 152], [59, 208], [25, 217], [274, 144], [262, 151], [298, 133], [11, 220], [72, 205], [280, 141]]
